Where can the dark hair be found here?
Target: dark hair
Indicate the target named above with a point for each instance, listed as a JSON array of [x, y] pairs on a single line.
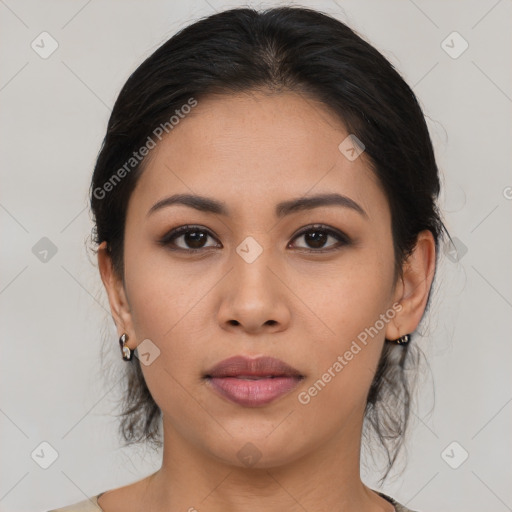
[[278, 49]]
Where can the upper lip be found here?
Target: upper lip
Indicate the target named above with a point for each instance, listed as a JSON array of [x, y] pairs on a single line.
[[242, 366]]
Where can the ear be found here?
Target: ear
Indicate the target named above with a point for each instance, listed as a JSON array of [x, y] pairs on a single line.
[[117, 298], [413, 287]]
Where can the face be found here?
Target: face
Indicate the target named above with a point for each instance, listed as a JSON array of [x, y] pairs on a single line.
[[302, 285]]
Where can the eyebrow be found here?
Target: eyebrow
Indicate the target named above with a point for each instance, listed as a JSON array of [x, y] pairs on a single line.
[[210, 205]]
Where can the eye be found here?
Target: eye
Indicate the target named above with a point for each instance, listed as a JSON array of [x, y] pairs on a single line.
[[316, 237], [193, 238]]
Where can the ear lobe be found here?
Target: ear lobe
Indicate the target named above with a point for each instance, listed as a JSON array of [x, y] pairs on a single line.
[[413, 290], [114, 287]]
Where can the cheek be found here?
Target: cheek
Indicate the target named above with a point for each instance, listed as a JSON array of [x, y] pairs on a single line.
[[163, 295], [352, 307], [165, 308], [345, 360], [350, 295]]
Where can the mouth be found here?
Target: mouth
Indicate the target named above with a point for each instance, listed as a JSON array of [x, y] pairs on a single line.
[[252, 382], [247, 377], [243, 367]]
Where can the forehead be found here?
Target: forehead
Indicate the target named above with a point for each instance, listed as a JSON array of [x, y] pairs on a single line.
[[256, 147]]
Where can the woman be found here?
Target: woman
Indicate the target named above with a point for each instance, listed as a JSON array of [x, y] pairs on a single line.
[[267, 230]]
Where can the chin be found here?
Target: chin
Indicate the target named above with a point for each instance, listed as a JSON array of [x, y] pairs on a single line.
[[259, 450]]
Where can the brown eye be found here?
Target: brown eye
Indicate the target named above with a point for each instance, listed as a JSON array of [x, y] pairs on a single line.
[[187, 238], [316, 238], [195, 239]]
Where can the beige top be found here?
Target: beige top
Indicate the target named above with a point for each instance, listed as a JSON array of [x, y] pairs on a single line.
[[91, 505]]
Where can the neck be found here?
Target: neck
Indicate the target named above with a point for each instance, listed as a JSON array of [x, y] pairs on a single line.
[[325, 479]]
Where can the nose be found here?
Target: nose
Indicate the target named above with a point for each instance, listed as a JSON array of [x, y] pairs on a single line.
[[254, 299]]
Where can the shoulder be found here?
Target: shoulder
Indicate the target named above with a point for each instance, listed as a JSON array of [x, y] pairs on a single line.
[[91, 505], [120, 496], [398, 506], [88, 505]]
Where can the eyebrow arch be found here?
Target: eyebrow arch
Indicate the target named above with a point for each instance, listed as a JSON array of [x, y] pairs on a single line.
[[209, 205]]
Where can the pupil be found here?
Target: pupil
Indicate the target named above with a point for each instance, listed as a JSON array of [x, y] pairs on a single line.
[[194, 239], [316, 238]]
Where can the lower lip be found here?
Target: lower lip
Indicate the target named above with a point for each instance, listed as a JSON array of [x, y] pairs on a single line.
[[253, 393]]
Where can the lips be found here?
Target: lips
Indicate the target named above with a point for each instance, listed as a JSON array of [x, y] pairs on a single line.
[[252, 382], [240, 366]]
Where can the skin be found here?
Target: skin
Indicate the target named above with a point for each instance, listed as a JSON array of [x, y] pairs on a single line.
[[252, 151]]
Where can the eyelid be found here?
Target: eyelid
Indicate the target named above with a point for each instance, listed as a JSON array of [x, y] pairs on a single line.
[[180, 230], [342, 238]]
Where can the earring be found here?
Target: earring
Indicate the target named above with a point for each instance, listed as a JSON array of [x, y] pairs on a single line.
[[125, 351], [403, 340]]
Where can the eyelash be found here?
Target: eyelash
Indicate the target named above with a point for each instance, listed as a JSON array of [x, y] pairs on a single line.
[[175, 233]]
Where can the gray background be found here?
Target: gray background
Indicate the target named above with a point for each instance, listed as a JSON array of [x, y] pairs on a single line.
[[54, 312]]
